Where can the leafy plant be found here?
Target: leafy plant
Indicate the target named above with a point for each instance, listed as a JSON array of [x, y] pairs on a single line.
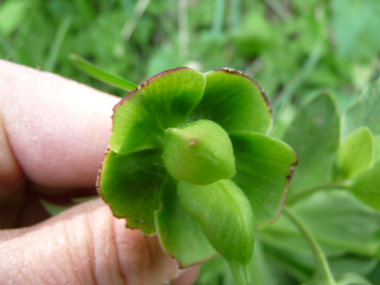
[[196, 144], [189, 159]]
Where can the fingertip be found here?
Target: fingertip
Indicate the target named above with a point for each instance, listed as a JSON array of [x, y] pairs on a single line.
[[57, 128]]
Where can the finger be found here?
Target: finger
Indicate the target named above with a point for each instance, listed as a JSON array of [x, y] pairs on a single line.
[[187, 277], [12, 182], [56, 129], [83, 245]]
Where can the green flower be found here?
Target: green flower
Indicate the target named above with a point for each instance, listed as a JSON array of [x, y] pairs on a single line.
[[190, 159]]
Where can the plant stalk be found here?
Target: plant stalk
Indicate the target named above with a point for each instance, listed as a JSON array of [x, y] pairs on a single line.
[[218, 16], [324, 275], [131, 23], [307, 192], [58, 40]]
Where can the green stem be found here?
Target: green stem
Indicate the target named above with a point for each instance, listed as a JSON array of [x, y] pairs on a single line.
[[58, 40], [218, 16], [235, 17], [131, 23], [324, 275], [307, 192]]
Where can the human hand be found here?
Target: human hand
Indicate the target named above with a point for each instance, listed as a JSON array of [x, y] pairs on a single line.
[[53, 133]]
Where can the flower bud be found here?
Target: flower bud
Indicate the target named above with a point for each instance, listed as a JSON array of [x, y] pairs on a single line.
[[199, 153]]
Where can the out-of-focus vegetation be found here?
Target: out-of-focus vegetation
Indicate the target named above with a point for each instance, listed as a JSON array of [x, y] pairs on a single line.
[[293, 48], [289, 47]]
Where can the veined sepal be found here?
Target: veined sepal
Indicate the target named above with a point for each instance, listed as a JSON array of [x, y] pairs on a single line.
[[225, 215]]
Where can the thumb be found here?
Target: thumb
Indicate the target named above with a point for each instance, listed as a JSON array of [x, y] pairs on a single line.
[[83, 245]]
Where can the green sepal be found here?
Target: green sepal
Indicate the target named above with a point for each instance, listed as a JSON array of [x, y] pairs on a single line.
[[199, 153], [131, 184], [314, 136], [225, 216], [235, 102], [164, 101], [366, 186], [264, 168], [240, 273], [355, 154], [180, 235]]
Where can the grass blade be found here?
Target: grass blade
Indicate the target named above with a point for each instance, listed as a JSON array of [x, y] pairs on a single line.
[[101, 75], [132, 21], [300, 77], [58, 40], [218, 16]]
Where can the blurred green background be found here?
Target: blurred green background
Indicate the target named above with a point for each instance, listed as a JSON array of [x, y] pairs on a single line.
[[289, 47], [292, 48]]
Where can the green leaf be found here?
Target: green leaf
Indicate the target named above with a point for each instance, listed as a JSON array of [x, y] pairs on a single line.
[[225, 216], [365, 112], [101, 75], [361, 18], [180, 235], [164, 101], [199, 153], [366, 186], [264, 167], [323, 273], [355, 154], [353, 264], [12, 15], [326, 214], [353, 279], [314, 136], [235, 102], [255, 35], [131, 184]]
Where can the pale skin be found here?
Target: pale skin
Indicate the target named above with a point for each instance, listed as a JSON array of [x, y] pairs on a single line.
[[53, 134]]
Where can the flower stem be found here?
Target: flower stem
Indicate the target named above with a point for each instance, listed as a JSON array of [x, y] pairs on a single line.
[[218, 17], [304, 193], [324, 275]]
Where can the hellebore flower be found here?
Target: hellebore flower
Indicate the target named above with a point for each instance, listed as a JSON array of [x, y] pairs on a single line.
[[189, 159]]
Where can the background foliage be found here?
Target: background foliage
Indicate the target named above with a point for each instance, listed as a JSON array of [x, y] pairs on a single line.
[[293, 49]]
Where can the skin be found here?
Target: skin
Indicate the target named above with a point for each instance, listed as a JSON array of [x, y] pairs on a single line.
[[53, 134]]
